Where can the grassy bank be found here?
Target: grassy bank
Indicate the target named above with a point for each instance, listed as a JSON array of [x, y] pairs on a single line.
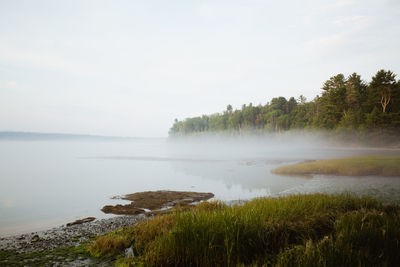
[[301, 230], [353, 166]]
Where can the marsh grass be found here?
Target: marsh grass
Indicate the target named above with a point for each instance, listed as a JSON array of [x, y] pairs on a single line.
[[111, 244], [353, 166], [361, 238], [313, 230]]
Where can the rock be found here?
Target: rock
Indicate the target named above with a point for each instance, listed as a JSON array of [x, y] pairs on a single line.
[[35, 238], [129, 252], [85, 220]]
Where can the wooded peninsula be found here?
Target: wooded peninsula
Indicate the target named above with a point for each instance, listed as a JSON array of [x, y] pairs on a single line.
[[346, 103]]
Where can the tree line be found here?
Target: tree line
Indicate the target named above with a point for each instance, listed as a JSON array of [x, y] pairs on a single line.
[[345, 103]]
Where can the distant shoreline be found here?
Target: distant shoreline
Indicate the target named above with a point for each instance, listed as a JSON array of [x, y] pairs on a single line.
[[37, 136]]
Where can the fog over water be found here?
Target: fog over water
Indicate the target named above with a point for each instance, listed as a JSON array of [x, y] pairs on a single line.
[[47, 183]]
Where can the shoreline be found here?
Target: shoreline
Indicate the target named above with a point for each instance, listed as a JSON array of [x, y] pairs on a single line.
[[143, 205], [68, 245], [65, 236]]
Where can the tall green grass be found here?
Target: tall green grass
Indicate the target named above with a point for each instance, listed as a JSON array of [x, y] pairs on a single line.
[[317, 230], [111, 244], [360, 238], [353, 166]]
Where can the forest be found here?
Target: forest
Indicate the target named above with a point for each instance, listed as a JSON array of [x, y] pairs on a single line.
[[346, 103]]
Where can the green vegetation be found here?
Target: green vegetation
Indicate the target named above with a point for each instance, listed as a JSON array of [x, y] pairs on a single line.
[[354, 166], [44, 258], [300, 230], [346, 104], [112, 243]]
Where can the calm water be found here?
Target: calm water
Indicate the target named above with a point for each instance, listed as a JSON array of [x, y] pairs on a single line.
[[48, 183]]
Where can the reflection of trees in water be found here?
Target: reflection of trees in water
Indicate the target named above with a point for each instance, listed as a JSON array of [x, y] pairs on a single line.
[[248, 174]]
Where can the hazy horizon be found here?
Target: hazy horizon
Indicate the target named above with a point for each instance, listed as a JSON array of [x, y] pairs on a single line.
[[22, 133], [129, 68]]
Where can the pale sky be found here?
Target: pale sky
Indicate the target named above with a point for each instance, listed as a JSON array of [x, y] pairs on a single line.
[[129, 68]]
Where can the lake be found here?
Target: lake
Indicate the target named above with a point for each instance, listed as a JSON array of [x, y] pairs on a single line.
[[48, 183]]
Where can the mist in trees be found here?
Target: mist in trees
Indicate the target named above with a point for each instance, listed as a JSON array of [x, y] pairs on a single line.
[[345, 103]]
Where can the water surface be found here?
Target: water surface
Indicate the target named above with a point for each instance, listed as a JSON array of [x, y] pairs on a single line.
[[48, 183]]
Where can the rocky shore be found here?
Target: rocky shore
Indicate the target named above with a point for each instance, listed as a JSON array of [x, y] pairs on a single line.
[[65, 236], [51, 247], [67, 245]]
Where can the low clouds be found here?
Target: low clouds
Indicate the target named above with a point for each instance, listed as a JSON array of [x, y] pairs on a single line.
[[344, 3], [11, 83], [357, 22], [349, 29], [42, 59]]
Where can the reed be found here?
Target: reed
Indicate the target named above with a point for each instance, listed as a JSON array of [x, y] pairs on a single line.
[[352, 166], [305, 230], [111, 244]]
